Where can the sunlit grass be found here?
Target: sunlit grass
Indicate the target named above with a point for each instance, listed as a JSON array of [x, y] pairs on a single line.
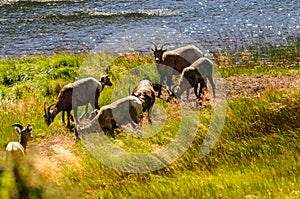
[[257, 154]]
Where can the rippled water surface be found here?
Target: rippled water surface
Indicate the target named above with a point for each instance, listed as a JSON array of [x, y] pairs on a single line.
[[44, 27]]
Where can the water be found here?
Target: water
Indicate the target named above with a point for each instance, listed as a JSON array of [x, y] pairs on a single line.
[[44, 27]]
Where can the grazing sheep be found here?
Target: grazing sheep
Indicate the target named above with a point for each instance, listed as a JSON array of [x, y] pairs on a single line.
[[79, 93], [17, 149], [198, 72], [123, 111], [167, 62], [145, 92]]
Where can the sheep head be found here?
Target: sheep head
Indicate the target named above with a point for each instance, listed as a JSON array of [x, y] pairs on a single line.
[[187, 80], [105, 80], [24, 132], [49, 114], [158, 52]]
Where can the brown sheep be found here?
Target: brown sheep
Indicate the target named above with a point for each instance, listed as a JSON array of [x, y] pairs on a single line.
[[167, 62], [79, 93], [198, 72], [145, 92]]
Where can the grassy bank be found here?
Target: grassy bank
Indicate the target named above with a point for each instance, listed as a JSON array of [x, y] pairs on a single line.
[[256, 156]]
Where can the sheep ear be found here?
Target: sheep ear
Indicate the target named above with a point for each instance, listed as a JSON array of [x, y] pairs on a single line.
[[102, 79], [29, 127], [53, 111]]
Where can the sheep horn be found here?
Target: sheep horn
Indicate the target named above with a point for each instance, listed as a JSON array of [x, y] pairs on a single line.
[[48, 109], [18, 125], [129, 91], [154, 44], [45, 108], [164, 44]]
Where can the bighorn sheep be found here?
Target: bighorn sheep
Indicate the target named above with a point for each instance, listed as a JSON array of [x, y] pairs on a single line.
[[167, 62], [123, 111], [198, 72], [145, 92], [17, 149], [79, 93]]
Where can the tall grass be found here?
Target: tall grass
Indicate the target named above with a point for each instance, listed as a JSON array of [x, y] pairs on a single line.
[[257, 155], [259, 59]]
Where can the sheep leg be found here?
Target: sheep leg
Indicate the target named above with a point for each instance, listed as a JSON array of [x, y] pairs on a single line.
[[133, 125], [201, 90], [159, 87], [63, 117], [212, 85], [169, 83], [96, 101], [196, 91], [149, 115], [187, 93], [203, 84], [77, 134], [76, 119], [85, 111], [69, 117], [76, 114], [113, 125]]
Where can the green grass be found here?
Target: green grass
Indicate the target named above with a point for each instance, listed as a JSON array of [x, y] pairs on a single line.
[[256, 156], [259, 60]]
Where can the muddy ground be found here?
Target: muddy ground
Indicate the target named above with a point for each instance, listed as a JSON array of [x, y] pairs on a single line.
[[249, 86]]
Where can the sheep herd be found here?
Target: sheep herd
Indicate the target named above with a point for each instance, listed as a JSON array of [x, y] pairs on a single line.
[[189, 61]]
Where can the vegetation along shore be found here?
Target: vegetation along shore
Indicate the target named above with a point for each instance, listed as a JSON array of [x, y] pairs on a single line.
[[256, 156]]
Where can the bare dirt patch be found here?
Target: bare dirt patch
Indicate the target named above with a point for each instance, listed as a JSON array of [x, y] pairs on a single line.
[[251, 86], [239, 86]]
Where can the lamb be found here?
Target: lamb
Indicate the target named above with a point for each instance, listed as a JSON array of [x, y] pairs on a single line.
[[123, 111], [18, 149], [79, 93], [145, 92], [198, 72], [167, 62]]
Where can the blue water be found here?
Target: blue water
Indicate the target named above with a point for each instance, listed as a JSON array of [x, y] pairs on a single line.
[[44, 27]]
